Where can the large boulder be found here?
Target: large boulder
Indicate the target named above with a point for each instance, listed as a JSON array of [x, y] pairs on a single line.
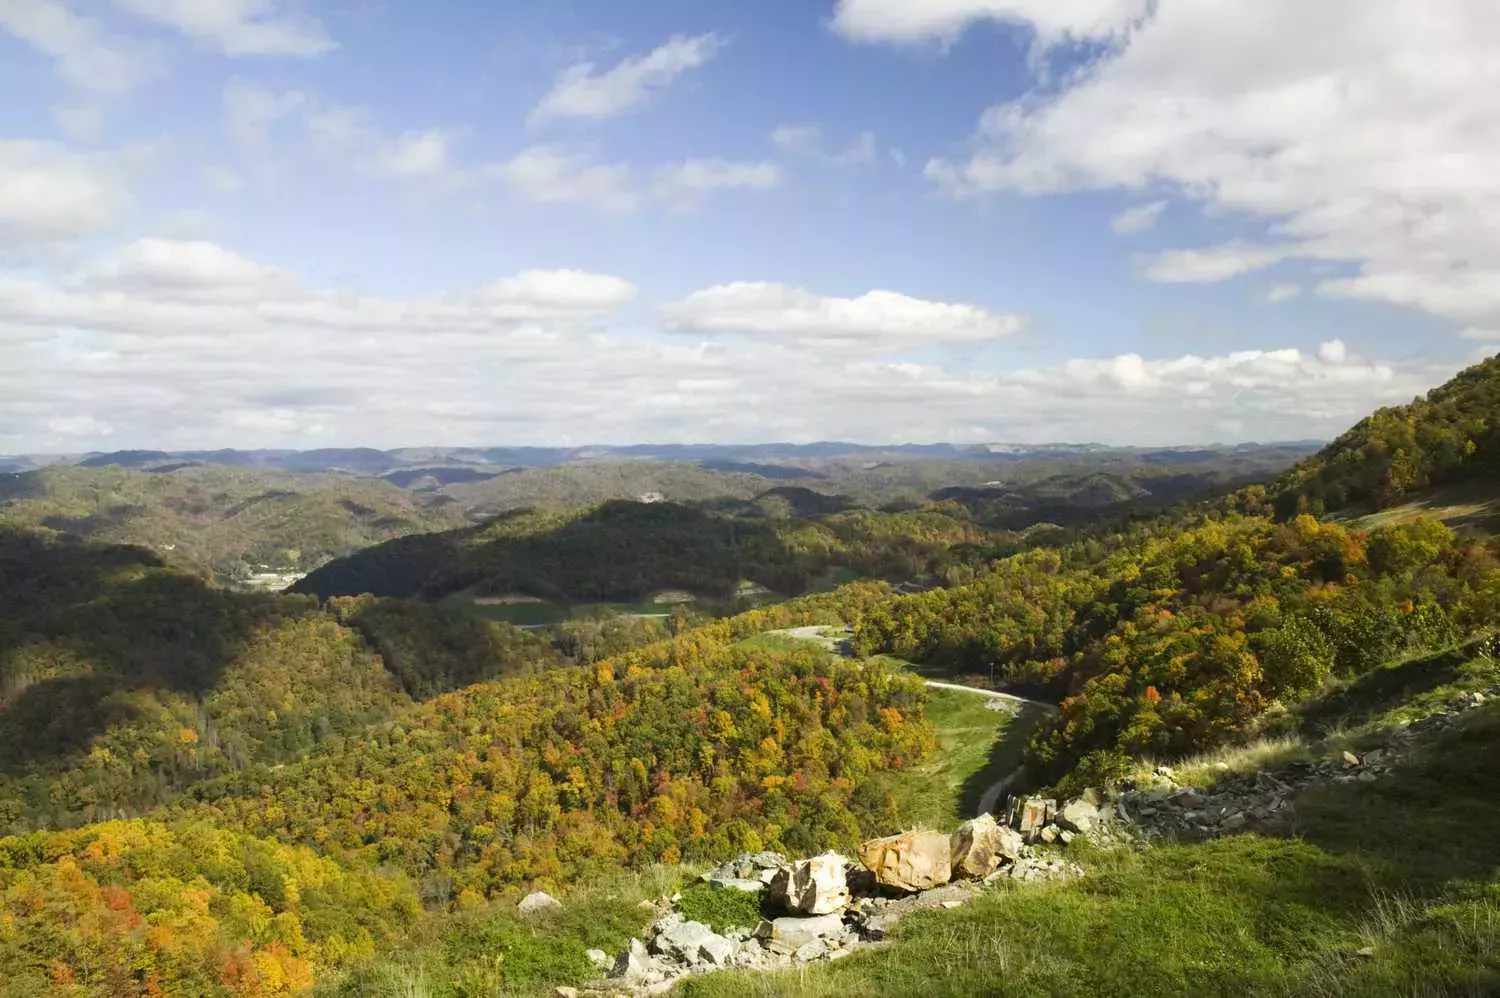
[[911, 861], [636, 967], [791, 933], [980, 846], [817, 886]]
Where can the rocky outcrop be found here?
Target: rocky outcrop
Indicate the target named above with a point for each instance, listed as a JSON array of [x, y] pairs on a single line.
[[749, 871], [816, 886], [911, 861]]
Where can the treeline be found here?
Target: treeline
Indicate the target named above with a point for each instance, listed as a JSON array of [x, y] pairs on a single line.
[[623, 551], [1178, 637], [1452, 435]]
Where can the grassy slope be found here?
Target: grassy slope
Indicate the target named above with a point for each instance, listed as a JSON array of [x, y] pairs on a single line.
[[1473, 506], [1404, 869]]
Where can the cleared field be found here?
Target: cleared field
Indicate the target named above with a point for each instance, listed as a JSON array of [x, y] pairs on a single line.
[[1472, 506]]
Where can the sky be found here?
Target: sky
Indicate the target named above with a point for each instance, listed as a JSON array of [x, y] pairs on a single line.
[[296, 223]]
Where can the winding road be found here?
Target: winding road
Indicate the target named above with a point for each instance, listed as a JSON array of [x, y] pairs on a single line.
[[835, 639]]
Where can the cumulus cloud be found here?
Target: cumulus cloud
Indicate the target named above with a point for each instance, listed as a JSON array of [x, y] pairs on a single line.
[[878, 318], [686, 183], [584, 92], [1283, 292], [50, 196], [1354, 132], [1137, 219], [117, 353], [237, 27], [944, 20], [549, 175]]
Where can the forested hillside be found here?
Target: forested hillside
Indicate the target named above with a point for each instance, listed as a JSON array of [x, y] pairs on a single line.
[[221, 522], [627, 550], [1451, 435], [122, 681]]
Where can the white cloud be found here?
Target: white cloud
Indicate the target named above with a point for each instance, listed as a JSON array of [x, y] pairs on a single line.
[[1333, 352], [87, 56], [50, 196], [237, 27], [176, 268], [1478, 333], [878, 318], [1283, 292], [1206, 266], [581, 92], [1356, 132], [116, 355], [687, 182], [807, 140], [944, 20], [548, 175], [1137, 219], [415, 154]]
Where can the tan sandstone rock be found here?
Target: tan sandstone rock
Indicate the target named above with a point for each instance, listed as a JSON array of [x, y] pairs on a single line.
[[817, 886], [911, 861], [977, 848]]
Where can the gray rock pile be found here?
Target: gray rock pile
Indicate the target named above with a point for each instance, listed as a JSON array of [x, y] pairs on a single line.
[[829, 906]]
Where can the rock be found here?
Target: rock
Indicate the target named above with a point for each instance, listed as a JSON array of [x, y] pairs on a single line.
[[1233, 822], [716, 951], [738, 884], [1029, 815], [976, 848], [794, 932], [1368, 952], [635, 966], [810, 951], [563, 991], [1350, 759], [682, 940], [538, 901], [1164, 771], [598, 958], [1066, 837], [877, 928], [911, 861], [817, 886], [1079, 816], [1049, 834], [953, 904]]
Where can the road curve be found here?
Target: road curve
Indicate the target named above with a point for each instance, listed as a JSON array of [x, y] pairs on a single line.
[[990, 799]]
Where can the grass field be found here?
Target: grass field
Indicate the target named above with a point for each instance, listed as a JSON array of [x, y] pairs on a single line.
[[1376, 889], [1470, 506]]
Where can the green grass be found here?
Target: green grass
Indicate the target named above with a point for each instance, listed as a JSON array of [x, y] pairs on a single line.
[[1406, 866], [1467, 506], [976, 746], [720, 908], [493, 950]]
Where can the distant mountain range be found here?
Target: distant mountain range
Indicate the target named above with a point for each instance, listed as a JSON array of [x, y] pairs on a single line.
[[771, 460]]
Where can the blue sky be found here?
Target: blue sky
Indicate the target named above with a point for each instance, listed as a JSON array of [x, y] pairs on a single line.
[[265, 223]]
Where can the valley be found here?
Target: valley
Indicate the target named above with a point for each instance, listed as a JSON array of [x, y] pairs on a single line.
[[602, 701]]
